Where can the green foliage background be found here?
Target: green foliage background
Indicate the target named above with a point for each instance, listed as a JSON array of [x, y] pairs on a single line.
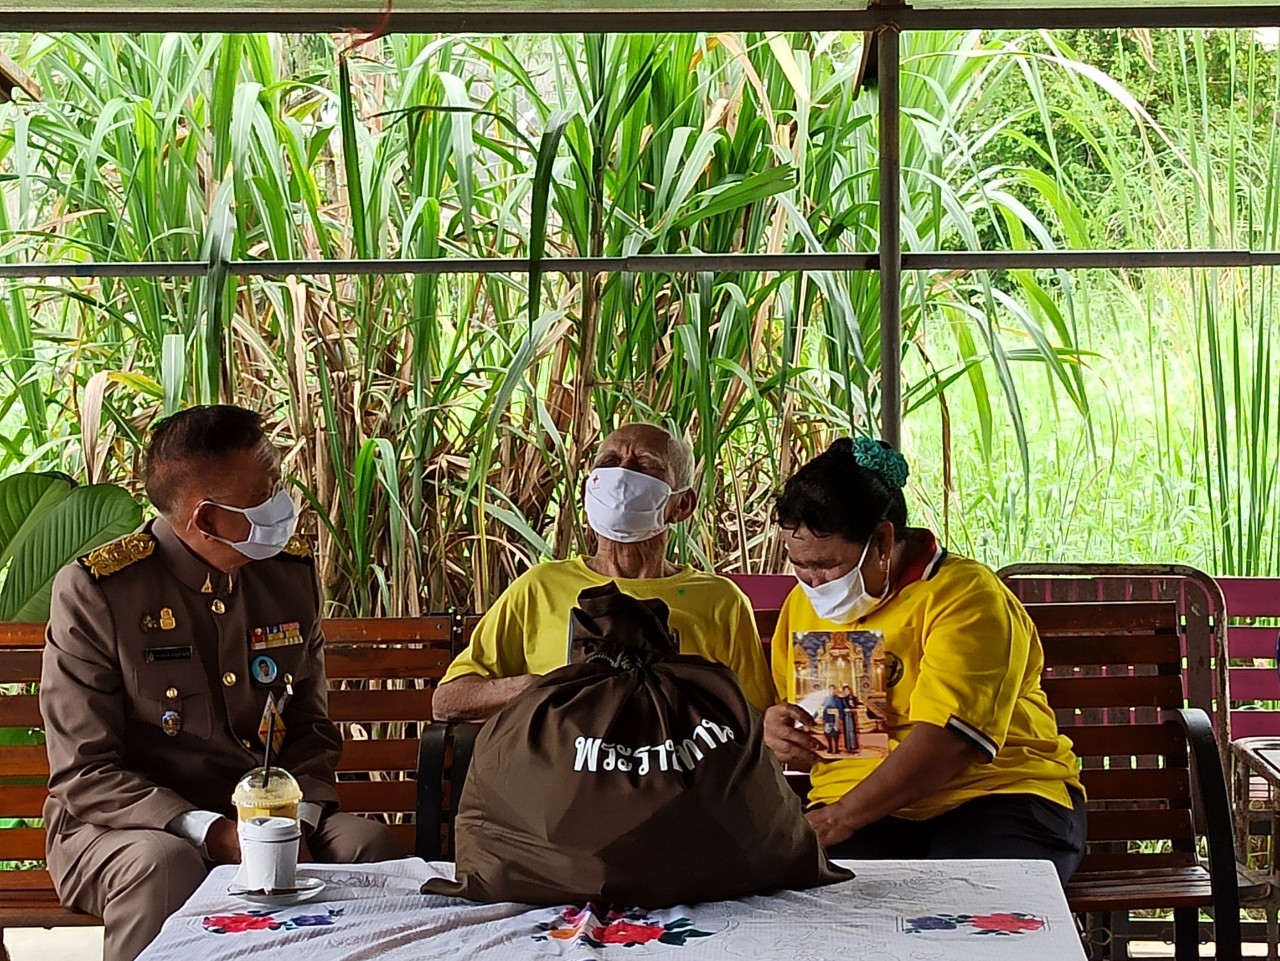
[[439, 426]]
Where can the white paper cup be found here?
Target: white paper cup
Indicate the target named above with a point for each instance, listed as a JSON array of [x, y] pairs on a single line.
[[269, 854]]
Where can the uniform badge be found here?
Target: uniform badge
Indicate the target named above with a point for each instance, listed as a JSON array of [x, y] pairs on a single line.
[[171, 723], [156, 655], [264, 669], [275, 635], [207, 587], [167, 623], [276, 727], [149, 624]]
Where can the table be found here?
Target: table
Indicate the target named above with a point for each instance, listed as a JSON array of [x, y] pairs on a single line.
[[892, 911]]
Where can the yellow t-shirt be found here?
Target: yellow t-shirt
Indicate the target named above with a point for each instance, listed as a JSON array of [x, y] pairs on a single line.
[[961, 653], [527, 629]]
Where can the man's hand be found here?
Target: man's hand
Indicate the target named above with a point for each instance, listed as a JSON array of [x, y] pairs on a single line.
[[473, 698], [222, 842], [830, 824], [796, 748]]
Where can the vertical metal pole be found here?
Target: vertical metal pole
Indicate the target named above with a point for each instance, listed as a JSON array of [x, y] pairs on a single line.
[[890, 238]]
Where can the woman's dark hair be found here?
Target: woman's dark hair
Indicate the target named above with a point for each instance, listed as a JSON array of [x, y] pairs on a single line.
[[187, 445], [835, 494]]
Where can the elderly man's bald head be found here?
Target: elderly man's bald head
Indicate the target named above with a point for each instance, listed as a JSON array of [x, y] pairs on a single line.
[[651, 450]]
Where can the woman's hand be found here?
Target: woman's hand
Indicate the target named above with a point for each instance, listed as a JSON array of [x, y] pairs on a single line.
[[792, 745], [830, 824]]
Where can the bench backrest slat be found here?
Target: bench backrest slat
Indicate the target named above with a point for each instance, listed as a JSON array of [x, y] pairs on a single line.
[[1251, 596], [20, 667], [1199, 605], [1110, 665], [22, 844], [382, 754], [383, 704], [381, 672], [433, 629], [20, 710]]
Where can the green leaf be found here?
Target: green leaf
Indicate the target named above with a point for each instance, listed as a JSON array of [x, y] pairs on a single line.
[[24, 501], [541, 202], [78, 522], [360, 232], [173, 372], [22, 736]]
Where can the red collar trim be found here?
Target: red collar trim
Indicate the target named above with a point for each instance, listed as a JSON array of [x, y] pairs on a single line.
[[925, 566]]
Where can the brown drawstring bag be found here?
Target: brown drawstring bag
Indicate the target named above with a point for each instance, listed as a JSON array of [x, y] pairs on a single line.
[[636, 777]]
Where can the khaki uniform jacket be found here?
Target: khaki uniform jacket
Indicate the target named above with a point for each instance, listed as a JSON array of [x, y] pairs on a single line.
[[142, 628]]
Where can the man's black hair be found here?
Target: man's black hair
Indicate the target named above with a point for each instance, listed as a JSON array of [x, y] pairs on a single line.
[[189, 442], [834, 494]]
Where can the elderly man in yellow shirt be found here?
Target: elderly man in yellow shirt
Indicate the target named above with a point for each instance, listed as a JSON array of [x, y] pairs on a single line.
[[641, 484], [969, 763]]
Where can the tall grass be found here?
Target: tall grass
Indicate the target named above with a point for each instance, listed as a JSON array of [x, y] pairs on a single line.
[[439, 426]]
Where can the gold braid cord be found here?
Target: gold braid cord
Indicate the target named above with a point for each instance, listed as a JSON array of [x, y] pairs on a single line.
[[115, 556], [298, 546]]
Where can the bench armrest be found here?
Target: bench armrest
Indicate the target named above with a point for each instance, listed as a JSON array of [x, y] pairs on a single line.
[[455, 741], [1209, 792]]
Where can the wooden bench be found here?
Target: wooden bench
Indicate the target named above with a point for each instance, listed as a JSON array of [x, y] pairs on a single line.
[[1094, 626], [1151, 767], [381, 672], [1117, 673], [1228, 668]]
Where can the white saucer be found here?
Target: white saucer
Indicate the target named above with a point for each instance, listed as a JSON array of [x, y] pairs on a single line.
[[307, 889]]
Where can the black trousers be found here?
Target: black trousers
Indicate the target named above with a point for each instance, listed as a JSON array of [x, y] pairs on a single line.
[[999, 826]]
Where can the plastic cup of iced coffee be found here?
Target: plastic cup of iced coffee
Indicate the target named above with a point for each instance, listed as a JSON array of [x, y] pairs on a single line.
[[267, 794]]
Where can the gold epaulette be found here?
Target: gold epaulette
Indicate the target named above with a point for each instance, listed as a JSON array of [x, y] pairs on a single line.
[[298, 547], [115, 556]]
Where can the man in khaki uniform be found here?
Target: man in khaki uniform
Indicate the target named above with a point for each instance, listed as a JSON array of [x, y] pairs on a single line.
[[162, 650]]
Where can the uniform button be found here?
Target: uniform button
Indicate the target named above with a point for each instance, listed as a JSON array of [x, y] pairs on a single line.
[[248, 745], [229, 679], [218, 607], [171, 693]]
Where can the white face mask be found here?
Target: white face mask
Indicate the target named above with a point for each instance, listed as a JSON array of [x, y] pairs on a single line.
[[844, 599], [271, 524], [626, 506]]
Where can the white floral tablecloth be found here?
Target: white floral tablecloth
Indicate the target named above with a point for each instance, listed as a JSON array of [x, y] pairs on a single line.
[[892, 911]]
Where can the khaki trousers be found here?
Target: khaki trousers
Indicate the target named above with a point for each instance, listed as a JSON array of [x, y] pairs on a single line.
[[135, 879]]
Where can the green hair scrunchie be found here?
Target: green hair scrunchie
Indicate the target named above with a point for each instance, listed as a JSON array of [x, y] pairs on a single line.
[[885, 461]]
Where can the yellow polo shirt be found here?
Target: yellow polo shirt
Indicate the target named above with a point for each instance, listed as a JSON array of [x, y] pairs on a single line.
[[527, 629], [961, 653]]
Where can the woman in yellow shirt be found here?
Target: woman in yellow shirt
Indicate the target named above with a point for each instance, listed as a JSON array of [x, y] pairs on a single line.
[[959, 754]]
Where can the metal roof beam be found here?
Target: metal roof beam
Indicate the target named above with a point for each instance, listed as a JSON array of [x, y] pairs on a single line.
[[673, 264], [532, 16]]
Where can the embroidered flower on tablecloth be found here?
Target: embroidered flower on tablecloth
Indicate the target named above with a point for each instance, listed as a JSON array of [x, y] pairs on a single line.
[[314, 920], [930, 922], [263, 920], [628, 933], [596, 928], [1009, 923], [240, 923], [1003, 924]]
